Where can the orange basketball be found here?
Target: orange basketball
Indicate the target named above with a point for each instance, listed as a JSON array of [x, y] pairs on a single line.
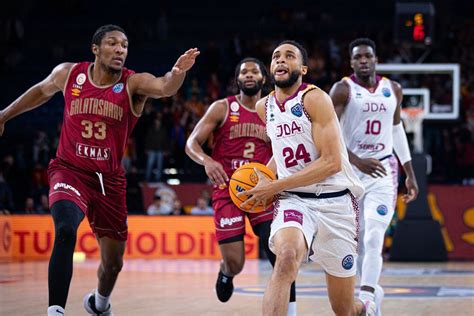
[[245, 178]]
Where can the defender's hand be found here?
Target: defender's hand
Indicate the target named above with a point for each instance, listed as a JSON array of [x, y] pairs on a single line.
[[215, 172], [185, 61]]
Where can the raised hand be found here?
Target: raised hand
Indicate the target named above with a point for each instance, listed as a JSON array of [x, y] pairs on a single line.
[[185, 61]]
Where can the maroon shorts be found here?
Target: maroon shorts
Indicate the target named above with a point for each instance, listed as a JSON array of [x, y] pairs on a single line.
[[107, 214], [230, 220]]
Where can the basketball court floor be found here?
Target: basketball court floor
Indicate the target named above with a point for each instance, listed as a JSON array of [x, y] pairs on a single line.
[[186, 287]]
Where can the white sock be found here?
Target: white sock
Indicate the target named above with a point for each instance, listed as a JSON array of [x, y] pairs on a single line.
[[366, 296], [101, 302], [55, 310], [291, 309]]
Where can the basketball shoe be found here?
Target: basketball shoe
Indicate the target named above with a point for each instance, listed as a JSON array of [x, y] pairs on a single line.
[[379, 294], [89, 305], [368, 301], [224, 287]]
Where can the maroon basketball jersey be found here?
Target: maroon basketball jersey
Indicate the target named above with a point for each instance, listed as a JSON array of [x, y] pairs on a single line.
[[240, 139], [97, 121]]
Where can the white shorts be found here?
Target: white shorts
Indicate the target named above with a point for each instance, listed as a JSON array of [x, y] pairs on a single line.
[[380, 196], [329, 227]]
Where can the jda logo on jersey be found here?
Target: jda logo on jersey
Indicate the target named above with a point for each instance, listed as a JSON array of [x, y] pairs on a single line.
[[348, 262], [382, 209], [118, 88], [297, 110], [386, 92]]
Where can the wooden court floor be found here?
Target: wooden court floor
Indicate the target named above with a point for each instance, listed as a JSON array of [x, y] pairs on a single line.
[[186, 287]]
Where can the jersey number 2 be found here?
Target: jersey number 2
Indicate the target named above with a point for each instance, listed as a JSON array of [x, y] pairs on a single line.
[[249, 150], [99, 132]]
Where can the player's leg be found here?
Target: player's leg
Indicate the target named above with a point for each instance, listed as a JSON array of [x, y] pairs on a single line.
[[233, 258], [66, 216], [108, 218], [335, 249], [111, 262], [290, 247], [372, 263], [379, 207], [262, 230], [229, 221], [341, 295]]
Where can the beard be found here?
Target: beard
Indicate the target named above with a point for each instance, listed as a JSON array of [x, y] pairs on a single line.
[[250, 91], [294, 76]]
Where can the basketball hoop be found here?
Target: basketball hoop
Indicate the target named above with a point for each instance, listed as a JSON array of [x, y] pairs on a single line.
[[413, 118]]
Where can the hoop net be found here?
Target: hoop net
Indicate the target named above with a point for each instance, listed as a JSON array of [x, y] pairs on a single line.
[[413, 119]]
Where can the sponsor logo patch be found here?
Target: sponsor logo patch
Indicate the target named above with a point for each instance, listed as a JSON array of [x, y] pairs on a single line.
[[348, 262], [297, 110], [386, 92], [92, 152], [371, 147], [118, 88], [234, 107], [80, 79], [75, 92], [292, 216], [66, 186], [382, 209], [229, 221]]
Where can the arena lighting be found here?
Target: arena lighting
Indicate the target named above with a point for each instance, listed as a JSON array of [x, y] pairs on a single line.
[[173, 181], [170, 171]]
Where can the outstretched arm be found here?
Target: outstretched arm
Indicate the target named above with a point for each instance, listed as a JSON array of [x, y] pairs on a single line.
[[402, 150], [36, 95], [147, 85]]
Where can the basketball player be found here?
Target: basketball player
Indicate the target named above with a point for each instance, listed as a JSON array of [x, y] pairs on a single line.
[[103, 101], [239, 138], [369, 108], [315, 207]]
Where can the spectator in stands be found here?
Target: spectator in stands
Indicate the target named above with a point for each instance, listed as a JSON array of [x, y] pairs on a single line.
[[177, 208], [6, 198], [41, 148], [167, 195], [156, 144], [157, 207], [202, 208]]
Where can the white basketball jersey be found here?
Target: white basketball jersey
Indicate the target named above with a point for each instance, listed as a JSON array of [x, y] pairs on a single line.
[[367, 122], [290, 130]]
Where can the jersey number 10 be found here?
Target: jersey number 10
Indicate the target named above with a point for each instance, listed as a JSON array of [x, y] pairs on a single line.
[[373, 127]]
